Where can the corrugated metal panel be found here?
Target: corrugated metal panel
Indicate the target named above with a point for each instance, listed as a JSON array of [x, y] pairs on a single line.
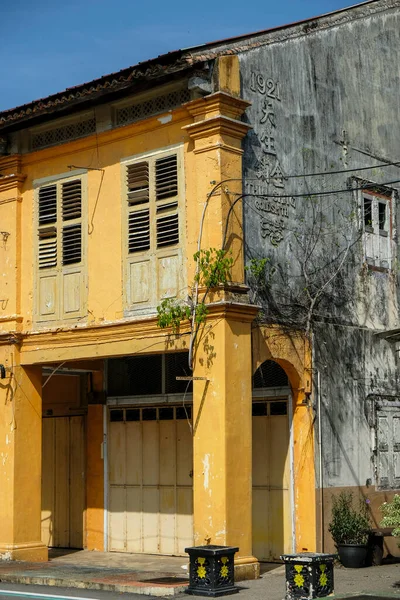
[[151, 495]]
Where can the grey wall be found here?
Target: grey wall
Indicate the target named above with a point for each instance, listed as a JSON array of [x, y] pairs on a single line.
[[325, 99]]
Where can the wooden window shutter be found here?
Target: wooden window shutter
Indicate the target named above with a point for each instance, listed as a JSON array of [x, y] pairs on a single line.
[[71, 201], [47, 232], [137, 181], [166, 193]]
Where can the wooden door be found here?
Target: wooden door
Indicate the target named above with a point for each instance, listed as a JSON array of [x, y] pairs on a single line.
[[271, 481], [63, 481], [150, 481]]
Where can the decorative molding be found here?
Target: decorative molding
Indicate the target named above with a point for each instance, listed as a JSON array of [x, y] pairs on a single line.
[[217, 103], [15, 199], [222, 146], [219, 125], [8, 318], [11, 176], [10, 182]]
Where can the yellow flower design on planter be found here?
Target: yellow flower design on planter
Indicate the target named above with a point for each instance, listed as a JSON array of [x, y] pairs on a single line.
[[298, 578], [323, 579], [224, 569], [201, 570]]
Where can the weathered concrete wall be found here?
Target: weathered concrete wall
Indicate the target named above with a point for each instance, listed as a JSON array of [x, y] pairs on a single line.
[[325, 99]]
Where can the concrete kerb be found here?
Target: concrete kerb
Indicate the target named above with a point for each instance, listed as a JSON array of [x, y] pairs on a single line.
[[137, 587]]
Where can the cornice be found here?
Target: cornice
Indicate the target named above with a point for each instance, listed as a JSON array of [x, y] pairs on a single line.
[[11, 182], [218, 125], [233, 311], [219, 102], [11, 177], [91, 334]]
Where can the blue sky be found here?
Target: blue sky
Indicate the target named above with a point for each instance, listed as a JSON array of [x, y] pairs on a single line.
[[49, 45]]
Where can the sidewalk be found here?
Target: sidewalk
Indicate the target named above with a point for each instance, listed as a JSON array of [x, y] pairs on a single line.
[[165, 576], [114, 572]]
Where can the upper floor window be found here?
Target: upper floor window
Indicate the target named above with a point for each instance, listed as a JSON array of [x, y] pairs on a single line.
[[377, 229], [154, 195], [388, 446], [60, 248]]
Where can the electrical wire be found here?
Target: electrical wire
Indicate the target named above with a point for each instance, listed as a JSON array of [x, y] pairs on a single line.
[[367, 186]]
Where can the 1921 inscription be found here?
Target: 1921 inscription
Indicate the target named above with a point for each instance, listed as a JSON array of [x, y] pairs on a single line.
[[264, 86]]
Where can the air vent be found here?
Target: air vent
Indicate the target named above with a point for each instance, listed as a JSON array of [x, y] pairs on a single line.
[[137, 180], [166, 177], [72, 200], [72, 244], [150, 107], [47, 205], [139, 231], [63, 134], [47, 248], [167, 231]]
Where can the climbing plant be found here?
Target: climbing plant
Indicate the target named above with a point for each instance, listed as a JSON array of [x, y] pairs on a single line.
[[213, 268]]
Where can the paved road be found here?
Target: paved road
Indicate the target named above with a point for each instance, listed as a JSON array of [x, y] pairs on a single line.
[[11, 591]]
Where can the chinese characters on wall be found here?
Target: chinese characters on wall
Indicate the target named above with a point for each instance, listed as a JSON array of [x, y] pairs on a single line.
[[268, 178]]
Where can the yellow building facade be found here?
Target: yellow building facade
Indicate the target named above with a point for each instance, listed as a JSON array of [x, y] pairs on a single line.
[[101, 211]]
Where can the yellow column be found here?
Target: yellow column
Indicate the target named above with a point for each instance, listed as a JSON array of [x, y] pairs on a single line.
[[222, 426], [222, 433], [20, 461]]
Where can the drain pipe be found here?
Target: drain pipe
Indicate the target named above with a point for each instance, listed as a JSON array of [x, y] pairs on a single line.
[[321, 491]]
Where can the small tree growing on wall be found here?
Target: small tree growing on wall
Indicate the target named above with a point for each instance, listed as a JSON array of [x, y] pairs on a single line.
[[213, 268], [312, 283]]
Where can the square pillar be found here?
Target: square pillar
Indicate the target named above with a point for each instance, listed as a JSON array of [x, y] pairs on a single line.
[[21, 464], [222, 432]]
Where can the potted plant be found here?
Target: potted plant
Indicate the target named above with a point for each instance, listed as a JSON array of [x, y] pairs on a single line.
[[391, 515], [350, 528]]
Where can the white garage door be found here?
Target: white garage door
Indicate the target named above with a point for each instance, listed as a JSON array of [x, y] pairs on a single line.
[[272, 535], [150, 480]]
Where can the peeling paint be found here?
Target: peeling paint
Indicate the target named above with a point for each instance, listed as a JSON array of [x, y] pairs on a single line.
[[206, 472], [164, 120], [6, 556]]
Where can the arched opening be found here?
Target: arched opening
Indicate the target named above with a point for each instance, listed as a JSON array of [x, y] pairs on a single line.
[[272, 523]]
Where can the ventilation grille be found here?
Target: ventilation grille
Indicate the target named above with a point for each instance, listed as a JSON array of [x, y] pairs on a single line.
[[160, 104], [139, 231], [270, 374], [63, 134]]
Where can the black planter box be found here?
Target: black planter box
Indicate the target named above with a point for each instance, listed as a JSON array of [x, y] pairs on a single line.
[[308, 575], [211, 571]]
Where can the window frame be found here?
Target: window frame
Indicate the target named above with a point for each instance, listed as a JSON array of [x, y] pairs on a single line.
[[375, 240], [389, 410], [60, 271], [153, 255]]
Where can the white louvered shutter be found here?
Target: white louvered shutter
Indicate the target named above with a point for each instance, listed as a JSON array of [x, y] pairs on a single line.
[[137, 181], [47, 234], [60, 289], [71, 200], [166, 194], [154, 194]]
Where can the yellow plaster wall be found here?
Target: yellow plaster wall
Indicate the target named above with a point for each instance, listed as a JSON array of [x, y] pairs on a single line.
[[10, 242], [292, 351], [104, 151], [222, 426], [94, 530], [21, 458]]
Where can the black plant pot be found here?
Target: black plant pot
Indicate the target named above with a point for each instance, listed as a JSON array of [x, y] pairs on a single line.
[[352, 556]]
